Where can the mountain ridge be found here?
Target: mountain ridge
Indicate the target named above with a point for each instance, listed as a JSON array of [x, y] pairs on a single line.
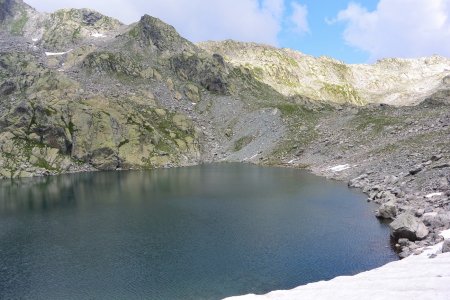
[[393, 81], [322, 78]]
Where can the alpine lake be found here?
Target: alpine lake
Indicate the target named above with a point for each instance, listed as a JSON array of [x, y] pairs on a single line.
[[203, 232]]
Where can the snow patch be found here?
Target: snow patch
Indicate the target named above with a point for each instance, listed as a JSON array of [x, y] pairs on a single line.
[[35, 39], [340, 168], [252, 157], [57, 53], [98, 35], [433, 195], [446, 234]]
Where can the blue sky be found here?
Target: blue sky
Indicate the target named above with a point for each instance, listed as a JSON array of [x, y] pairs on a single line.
[[354, 31], [323, 38]]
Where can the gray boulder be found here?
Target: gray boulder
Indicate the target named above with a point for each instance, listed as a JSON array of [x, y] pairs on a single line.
[[387, 210], [437, 220], [446, 246], [409, 227], [390, 179], [416, 170]]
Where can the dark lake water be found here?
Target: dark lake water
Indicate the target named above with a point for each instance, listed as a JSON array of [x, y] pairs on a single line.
[[203, 232]]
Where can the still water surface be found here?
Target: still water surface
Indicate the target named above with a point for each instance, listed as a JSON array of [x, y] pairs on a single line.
[[202, 232]]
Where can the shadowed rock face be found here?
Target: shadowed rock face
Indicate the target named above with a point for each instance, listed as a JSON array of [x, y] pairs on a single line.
[[6, 9], [210, 73], [7, 88], [91, 17], [152, 31]]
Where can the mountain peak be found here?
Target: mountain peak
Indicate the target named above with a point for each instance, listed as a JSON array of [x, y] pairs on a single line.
[[152, 31], [67, 27]]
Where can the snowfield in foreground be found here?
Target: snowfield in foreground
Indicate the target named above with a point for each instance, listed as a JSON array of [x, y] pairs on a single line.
[[415, 277]]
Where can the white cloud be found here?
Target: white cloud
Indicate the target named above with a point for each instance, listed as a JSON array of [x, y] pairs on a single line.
[[299, 18], [399, 28], [274, 7], [197, 20]]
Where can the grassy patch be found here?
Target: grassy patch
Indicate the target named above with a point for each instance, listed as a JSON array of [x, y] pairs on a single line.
[[343, 92], [242, 142], [376, 122], [43, 164], [18, 25]]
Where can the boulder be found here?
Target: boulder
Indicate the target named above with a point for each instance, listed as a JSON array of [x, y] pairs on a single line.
[[446, 246], [437, 220], [390, 180], [403, 242], [408, 226], [387, 210], [419, 212], [416, 170]]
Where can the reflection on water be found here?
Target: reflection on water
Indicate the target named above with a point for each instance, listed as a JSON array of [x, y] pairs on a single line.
[[190, 233]]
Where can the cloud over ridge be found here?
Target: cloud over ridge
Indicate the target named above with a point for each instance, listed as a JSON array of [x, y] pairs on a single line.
[[398, 28]]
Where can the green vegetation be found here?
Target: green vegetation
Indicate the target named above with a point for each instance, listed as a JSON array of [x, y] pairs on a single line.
[[43, 164], [76, 34], [242, 142], [377, 123], [344, 93], [18, 25]]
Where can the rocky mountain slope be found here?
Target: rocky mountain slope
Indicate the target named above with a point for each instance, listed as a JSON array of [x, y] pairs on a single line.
[[80, 91], [390, 81]]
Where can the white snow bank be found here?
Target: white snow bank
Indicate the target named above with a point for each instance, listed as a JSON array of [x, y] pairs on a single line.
[[35, 39], [433, 195], [446, 234], [98, 35], [340, 168], [57, 53], [415, 277], [253, 156]]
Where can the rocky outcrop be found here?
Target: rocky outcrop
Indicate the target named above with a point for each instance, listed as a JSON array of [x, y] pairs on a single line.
[[446, 246], [6, 9], [67, 28], [387, 210], [49, 125], [409, 227], [152, 32]]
